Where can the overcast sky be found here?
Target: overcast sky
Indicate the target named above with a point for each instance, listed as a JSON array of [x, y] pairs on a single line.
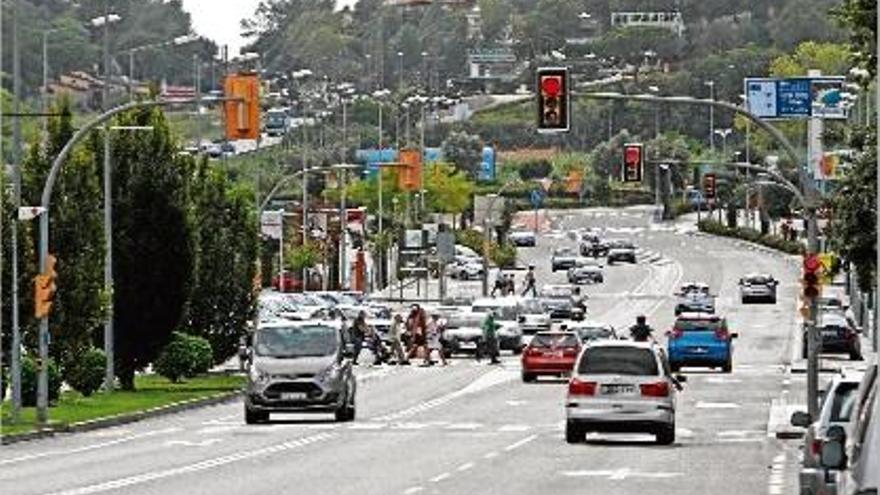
[[219, 19]]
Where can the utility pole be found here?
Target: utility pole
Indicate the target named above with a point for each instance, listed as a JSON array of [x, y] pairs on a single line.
[[16, 184], [197, 93], [110, 372], [877, 240]]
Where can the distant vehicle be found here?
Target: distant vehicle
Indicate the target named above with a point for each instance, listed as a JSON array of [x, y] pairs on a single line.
[[563, 259], [839, 335], [299, 367], [587, 274], [532, 317], [621, 251], [276, 122], [558, 300], [523, 238], [837, 406], [700, 339], [694, 287], [466, 269], [464, 333], [589, 331], [758, 287], [620, 386], [595, 247], [508, 310], [466, 252], [695, 302], [550, 353]]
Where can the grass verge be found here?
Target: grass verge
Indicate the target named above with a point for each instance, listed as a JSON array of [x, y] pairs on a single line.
[[151, 391]]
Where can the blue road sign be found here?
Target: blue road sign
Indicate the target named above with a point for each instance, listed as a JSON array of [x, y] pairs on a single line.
[[796, 98], [537, 197]]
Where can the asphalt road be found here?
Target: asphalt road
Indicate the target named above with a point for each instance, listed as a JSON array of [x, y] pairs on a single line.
[[470, 428]]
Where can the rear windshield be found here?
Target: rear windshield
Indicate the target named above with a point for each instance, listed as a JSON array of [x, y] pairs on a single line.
[[595, 333], [504, 313], [758, 280], [618, 361], [698, 325], [559, 340], [844, 399]]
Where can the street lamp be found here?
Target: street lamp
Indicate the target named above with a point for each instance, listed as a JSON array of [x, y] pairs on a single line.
[[105, 21], [178, 41], [711, 85], [399, 71], [724, 133]]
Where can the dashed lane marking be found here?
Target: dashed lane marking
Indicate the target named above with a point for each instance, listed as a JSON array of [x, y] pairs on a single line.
[[440, 477], [619, 474], [91, 447], [520, 443], [717, 405], [414, 489], [464, 467]]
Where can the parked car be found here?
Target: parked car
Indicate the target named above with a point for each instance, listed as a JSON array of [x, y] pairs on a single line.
[[523, 238], [550, 353], [620, 387], [758, 287], [852, 453], [558, 301], [621, 251], [700, 339], [299, 367], [563, 258], [839, 335], [837, 407]]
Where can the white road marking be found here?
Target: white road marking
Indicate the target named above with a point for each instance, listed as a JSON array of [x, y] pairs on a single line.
[[620, 474], [464, 426], [515, 428], [368, 426], [196, 467], [88, 448], [210, 430], [465, 466], [776, 483], [415, 489], [717, 405], [187, 443], [490, 455], [520, 443], [440, 477], [722, 380], [516, 402], [738, 433], [409, 426]]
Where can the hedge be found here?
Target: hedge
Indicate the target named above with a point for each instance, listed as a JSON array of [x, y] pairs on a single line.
[[771, 241]]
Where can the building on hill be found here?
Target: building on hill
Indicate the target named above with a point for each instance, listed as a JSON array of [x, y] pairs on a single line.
[[672, 21]]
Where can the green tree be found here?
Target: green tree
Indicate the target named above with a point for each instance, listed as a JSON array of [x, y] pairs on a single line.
[[153, 250], [222, 300], [449, 190], [464, 151]]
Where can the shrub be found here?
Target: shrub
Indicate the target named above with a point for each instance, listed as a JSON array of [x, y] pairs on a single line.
[[29, 381], [504, 256], [86, 374], [185, 356], [772, 241]]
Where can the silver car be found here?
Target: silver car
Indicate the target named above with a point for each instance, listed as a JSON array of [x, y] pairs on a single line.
[[837, 406], [299, 367], [622, 386], [757, 287]]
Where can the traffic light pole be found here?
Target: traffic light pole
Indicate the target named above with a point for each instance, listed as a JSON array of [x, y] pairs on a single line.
[[45, 201], [806, 195]]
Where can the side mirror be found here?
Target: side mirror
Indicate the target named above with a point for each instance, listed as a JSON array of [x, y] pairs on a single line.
[[833, 455], [734, 335], [801, 419]]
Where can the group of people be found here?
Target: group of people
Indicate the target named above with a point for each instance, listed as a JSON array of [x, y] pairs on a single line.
[[505, 284], [418, 337]]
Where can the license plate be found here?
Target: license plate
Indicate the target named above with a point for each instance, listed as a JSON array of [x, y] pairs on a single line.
[[467, 345], [292, 396], [699, 350], [829, 333], [618, 389], [553, 354]]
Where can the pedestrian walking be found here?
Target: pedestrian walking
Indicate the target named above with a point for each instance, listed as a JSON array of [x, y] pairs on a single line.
[[511, 285], [490, 338], [416, 326], [394, 339], [359, 331], [530, 282], [434, 333], [500, 284]]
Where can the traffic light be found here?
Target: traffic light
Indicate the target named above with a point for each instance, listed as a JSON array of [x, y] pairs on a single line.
[[242, 116], [811, 281], [554, 104], [44, 289], [709, 186], [633, 162]]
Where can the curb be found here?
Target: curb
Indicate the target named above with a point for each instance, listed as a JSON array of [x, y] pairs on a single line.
[[121, 419]]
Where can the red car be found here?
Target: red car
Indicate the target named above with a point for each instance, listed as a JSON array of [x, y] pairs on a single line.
[[550, 353]]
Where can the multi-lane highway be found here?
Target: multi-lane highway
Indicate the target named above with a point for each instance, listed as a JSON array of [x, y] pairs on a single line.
[[475, 428]]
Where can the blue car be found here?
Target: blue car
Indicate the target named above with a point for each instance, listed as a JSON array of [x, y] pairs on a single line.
[[700, 339]]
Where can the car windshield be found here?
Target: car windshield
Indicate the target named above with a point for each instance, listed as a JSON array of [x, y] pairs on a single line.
[[634, 361], [531, 307], [758, 280], [594, 333], [563, 252], [702, 324], [830, 301], [556, 292], [298, 341], [622, 245], [505, 313], [544, 340], [465, 320], [844, 398]]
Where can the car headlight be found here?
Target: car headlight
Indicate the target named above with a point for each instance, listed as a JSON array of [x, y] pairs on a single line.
[[259, 376], [329, 374]]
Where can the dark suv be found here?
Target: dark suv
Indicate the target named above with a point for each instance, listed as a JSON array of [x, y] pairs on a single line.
[[839, 335]]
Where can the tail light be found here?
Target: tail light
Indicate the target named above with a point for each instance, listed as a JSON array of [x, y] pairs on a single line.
[[578, 387], [721, 334], [816, 447], [570, 351], [533, 351], [659, 389]]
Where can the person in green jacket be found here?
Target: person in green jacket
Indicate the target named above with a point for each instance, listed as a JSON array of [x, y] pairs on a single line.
[[490, 338]]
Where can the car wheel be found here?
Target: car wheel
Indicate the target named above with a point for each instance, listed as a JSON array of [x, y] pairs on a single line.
[[744, 300], [517, 350], [727, 367], [666, 435], [252, 417], [804, 350], [574, 433], [675, 367], [855, 355], [772, 300], [528, 377]]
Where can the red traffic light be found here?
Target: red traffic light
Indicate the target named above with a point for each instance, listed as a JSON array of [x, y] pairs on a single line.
[[812, 264], [632, 155], [551, 85], [633, 161]]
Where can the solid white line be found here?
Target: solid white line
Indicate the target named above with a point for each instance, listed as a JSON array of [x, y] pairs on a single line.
[[520, 443], [490, 455], [191, 468], [415, 489], [465, 467], [89, 447], [439, 478]]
